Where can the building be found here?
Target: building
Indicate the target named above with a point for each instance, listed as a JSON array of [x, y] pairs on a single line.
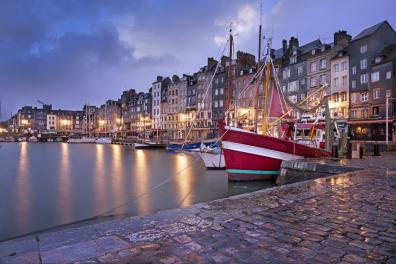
[[247, 95], [203, 127], [294, 69], [89, 119], [369, 85], [159, 95], [108, 119]]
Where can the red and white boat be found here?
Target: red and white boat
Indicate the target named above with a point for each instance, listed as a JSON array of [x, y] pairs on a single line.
[[253, 156], [250, 156]]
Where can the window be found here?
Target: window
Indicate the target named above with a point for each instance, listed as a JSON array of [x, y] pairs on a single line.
[[344, 66], [376, 93], [313, 82], [364, 78], [293, 98], [388, 74], [221, 103], [353, 113], [374, 76], [221, 90], [302, 96], [388, 93], [323, 63], [302, 81], [335, 97], [300, 70], [353, 84], [292, 86], [336, 67], [377, 59], [363, 49], [293, 59], [363, 64], [336, 82], [364, 113], [343, 97], [344, 81], [363, 97], [313, 67], [216, 103], [354, 70], [376, 110], [323, 79]]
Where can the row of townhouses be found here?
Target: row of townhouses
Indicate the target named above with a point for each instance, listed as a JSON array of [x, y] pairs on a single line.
[[359, 74]]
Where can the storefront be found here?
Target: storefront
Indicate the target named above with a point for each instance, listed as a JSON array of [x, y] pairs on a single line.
[[370, 130]]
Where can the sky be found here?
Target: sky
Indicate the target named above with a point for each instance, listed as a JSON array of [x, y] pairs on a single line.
[[71, 52]]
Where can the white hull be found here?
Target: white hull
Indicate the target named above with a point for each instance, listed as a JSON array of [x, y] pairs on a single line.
[[82, 140], [103, 141], [212, 160]]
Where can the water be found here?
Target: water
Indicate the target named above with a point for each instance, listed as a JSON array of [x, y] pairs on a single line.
[[45, 185]]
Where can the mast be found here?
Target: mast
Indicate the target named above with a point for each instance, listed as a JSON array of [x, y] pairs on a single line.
[[256, 90], [266, 87], [229, 93]]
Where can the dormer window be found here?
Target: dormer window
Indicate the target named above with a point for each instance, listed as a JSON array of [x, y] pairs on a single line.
[[313, 52], [322, 48], [241, 73], [378, 59], [293, 59], [294, 52]]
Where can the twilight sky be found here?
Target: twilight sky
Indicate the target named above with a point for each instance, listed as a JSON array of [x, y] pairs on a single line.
[[67, 53]]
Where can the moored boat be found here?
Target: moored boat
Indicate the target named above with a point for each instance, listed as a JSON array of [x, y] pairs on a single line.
[[250, 156], [212, 157], [103, 140]]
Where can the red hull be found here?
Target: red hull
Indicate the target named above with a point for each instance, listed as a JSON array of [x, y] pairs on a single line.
[[249, 156]]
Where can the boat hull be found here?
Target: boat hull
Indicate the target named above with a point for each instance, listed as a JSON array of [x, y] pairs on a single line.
[[249, 156], [212, 161]]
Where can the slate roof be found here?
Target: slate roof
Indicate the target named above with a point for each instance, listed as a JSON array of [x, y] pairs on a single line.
[[369, 31], [310, 46]]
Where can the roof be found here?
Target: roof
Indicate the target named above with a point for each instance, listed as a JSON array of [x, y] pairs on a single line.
[[310, 46], [370, 30], [278, 53]]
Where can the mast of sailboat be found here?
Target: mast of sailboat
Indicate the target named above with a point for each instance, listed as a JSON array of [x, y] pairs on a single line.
[[229, 85], [256, 87], [266, 87]]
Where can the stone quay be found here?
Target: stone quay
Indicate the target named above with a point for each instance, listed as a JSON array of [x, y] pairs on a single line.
[[345, 218]]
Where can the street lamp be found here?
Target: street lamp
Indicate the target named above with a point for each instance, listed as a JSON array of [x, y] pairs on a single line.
[[387, 118]]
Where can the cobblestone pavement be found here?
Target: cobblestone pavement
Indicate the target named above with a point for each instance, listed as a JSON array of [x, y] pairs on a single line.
[[349, 218]]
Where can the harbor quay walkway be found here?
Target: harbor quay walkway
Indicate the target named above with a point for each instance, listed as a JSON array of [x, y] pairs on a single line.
[[347, 218]]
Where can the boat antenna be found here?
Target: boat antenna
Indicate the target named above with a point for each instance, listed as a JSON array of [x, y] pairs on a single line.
[[256, 88], [229, 93]]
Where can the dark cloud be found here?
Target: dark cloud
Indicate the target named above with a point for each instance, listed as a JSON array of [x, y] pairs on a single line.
[[69, 52]]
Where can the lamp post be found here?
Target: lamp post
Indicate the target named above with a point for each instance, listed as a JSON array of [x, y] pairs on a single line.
[[387, 118]]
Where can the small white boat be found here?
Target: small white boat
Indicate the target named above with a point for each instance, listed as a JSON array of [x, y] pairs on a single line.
[[33, 139], [85, 140], [213, 158], [22, 139], [103, 140]]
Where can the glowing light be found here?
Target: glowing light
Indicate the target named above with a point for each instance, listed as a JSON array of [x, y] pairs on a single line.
[[24, 122]]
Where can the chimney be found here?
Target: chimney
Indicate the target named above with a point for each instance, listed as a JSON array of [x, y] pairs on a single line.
[[159, 78], [293, 42], [284, 45], [211, 63], [341, 35]]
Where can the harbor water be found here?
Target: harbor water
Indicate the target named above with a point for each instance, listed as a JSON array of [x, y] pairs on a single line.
[[48, 185]]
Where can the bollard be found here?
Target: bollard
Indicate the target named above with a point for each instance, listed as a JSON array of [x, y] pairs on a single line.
[[349, 150], [360, 152], [334, 151], [376, 150]]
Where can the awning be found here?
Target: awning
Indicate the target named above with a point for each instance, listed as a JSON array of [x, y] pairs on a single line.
[[362, 122]]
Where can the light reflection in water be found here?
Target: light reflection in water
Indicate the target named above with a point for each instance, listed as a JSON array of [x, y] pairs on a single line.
[[99, 180], [65, 182], [183, 179], [117, 179], [141, 181], [24, 196]]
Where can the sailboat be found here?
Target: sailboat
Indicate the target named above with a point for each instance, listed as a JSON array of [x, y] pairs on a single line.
[[258, 156]]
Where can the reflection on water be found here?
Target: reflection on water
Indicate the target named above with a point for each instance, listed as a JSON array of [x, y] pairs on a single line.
[[23, 194], [64, 185], [140, 181], [51, 184], [183, 179]]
